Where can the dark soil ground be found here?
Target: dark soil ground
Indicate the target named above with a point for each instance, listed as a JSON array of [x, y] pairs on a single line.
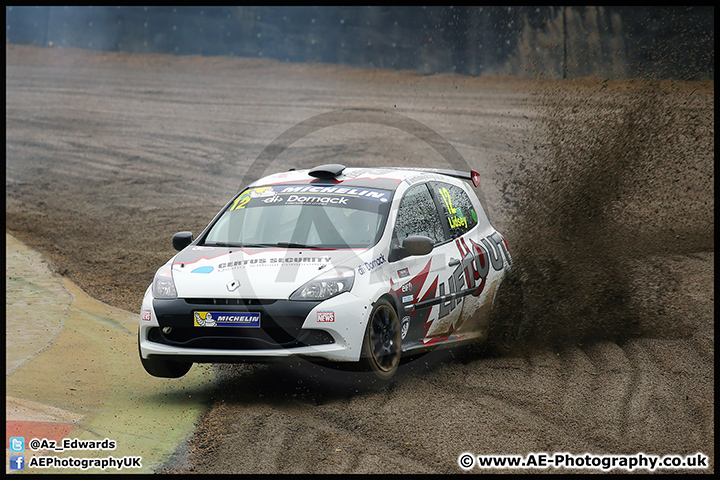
[[604, 190]]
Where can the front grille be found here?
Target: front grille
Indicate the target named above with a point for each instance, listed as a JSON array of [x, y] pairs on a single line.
[[248, 302], [281, 324]]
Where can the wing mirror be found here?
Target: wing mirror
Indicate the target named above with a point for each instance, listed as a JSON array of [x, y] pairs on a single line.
[[417, 245], [412, 245], [181, 240]]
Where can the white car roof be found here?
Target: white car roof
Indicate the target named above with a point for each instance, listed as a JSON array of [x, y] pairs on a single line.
[[386, 178]]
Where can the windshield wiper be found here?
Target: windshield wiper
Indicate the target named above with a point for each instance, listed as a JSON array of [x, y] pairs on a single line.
[[296, 245], [262, 245], [239, 245]]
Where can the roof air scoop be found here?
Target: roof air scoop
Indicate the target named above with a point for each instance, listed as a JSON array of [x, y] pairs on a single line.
[[327, 171]]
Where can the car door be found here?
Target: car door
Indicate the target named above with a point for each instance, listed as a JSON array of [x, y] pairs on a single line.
[[419, 281], [475, 262]]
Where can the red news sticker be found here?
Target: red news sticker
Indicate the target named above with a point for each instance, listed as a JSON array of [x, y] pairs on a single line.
[[325, 316], [146, 315]]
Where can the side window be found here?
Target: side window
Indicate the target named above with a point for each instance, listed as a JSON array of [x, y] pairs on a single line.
[[457, 208], [418, 215]]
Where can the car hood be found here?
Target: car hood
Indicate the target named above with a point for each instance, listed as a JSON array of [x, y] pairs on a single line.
[[214, 272]]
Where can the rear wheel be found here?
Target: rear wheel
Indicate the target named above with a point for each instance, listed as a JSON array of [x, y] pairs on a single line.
[[505, 337], [382, 342], [507, 316], [162, 368]]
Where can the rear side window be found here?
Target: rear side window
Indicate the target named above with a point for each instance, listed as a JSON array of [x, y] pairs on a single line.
[[418, 215], [458, 210]]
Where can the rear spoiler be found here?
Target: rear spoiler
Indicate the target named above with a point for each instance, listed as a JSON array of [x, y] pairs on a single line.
[[334, 169], [472, 175]]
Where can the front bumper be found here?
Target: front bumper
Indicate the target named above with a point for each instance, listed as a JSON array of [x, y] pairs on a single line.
[[331, 330]]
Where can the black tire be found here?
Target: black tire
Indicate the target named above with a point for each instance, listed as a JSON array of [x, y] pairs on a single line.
[[506, 319], [381, 349], [505, 338], [162, 368]]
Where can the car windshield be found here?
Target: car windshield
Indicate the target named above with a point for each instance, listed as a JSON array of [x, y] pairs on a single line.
[[302, 216]]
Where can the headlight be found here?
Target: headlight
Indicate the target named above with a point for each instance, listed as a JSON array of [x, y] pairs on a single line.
[[326, 285], [163, 285]]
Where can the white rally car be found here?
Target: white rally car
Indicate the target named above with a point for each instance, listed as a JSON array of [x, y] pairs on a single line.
[[358, 265]]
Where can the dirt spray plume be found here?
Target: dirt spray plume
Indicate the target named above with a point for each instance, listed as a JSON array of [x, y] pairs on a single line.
[[621, 179]]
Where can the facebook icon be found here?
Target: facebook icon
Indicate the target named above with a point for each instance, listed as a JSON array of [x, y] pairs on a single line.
[[17, 462]]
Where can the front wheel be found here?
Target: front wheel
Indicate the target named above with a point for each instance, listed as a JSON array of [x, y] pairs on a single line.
[[381, 345]]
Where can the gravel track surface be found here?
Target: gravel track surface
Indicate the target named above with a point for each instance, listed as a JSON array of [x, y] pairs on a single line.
[[604, 190]]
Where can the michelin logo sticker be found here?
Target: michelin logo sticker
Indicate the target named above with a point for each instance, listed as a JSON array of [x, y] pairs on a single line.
[[227, 319], [204, 319], [381, 195]]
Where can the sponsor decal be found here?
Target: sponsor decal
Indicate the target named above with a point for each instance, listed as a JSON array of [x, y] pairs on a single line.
[[325, 316], [407, 287], [404, 325], [227, 319], [370, 193], [468, 278], [203, 270], [202, 249], [470, 275], [403, 273], [253, 262], [324, 195], [146, 315], [297, 199], [204, 319], [495, 244], [274, 199], [300, 260], [407, 298], [242, 263], [369, 266]]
